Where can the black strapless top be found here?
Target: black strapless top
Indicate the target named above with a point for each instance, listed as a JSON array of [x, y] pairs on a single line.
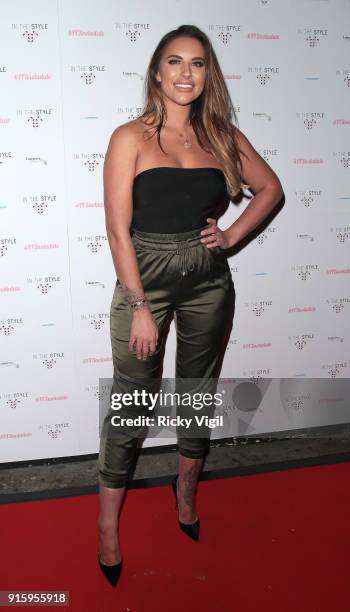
[[170, 200]]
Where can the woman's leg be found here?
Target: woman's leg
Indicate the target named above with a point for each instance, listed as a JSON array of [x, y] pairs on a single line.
[[118, 445], [203, 317], [189, 470], [110, 504]]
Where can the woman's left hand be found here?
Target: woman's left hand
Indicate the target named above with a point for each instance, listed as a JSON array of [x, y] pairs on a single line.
[[214, 237]]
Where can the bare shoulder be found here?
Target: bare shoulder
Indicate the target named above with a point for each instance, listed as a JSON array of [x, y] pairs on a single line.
[[127, 134], [123, 149], [244, 144]]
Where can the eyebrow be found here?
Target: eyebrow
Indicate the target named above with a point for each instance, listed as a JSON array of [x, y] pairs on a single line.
[[179, 56]]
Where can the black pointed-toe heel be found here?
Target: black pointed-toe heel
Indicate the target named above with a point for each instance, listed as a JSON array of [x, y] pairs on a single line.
[[112, 572], [190, 529]]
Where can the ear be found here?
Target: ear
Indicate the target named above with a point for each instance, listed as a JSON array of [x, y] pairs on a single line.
[[158, 77]]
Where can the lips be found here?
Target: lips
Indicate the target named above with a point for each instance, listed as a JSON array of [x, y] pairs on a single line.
[[184, 86]]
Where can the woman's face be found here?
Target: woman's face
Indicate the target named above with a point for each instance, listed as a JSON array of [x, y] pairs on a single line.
[[182, 70]]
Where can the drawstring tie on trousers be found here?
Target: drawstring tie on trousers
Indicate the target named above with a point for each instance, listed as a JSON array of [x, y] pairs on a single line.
[[184, 252]]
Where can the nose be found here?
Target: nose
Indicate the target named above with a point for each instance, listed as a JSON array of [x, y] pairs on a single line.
[[186, 69]]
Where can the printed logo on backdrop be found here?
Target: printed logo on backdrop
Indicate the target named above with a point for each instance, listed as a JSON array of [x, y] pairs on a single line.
[[343, 157], [311, 120], [89, 205], [95, 284], [48, 360], [97, 321], [333, 271], [44, 284], [339, 339], [5, 156], [35, 117], [93, 243], [301, 309], [303, 400], [264, 235], [334, 369], [131, 75], [5, 243], [308, 197], [337, 305], [224, 32], [258, 307], [263, 115], [53, 430], [14, 400], [132, 31], [90, 161], [296, 403], [268, 154], [305, 271], [342, 233], [30, 32], [300, 341], [88, 74], [76, 33], [35, 160], [129, 112], [234, 269], [258, 374], [256, 345], [313, 161], [313, 36], [39, 203], [263, 74], [10, 326], [6, 364], [101, 392], [232, 342], [308, 237], [345, 74]]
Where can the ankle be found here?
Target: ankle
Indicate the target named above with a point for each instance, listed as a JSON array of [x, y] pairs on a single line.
[[107, 526]]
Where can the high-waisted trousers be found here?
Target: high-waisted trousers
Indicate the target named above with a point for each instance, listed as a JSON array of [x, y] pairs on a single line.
[[183, 278]]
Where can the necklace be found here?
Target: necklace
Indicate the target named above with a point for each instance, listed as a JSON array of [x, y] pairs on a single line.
[[186, 143]]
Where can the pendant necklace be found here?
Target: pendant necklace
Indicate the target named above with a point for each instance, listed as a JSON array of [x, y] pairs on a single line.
[[186, 143]]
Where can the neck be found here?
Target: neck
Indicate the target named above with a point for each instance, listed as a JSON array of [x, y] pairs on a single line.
[[178, 116]]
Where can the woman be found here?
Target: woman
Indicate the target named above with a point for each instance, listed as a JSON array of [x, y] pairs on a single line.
[[164, 175]]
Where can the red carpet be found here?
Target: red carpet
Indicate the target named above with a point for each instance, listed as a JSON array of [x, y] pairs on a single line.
[[276, 541]]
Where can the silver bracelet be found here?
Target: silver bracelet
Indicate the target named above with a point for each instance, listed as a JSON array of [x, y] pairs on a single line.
[[138, 304]]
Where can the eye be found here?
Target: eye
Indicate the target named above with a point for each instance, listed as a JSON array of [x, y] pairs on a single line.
[[197, 63]]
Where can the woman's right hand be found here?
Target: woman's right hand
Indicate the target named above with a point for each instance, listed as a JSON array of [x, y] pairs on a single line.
[[144, 333]]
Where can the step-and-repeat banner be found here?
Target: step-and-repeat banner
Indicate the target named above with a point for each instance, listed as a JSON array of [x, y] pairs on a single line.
[[70, 72]]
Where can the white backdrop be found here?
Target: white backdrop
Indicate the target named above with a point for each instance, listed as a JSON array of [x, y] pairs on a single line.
[[70, 72]]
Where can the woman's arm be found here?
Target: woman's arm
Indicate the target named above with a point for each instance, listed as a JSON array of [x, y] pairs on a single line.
[[118, 176], [264, 183]]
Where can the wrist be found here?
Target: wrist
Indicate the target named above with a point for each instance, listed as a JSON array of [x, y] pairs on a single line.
[[137, 302], [141, 310], [233, 235]]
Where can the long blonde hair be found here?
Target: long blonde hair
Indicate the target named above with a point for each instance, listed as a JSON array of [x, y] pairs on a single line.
[[211, 113]]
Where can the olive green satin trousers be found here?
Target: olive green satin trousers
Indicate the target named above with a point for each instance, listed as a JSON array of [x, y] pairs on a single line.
[[181, 277]]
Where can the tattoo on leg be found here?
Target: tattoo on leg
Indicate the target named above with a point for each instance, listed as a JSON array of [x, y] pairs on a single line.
[[190, 478]]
